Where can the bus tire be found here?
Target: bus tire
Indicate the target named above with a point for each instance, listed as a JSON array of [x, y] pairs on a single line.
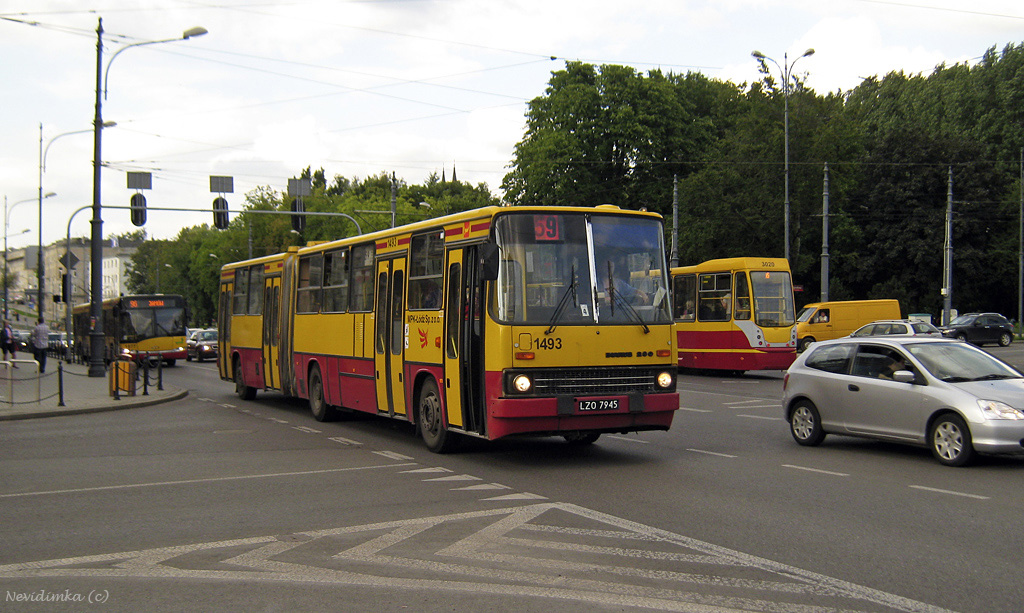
[[806, 342], [245, 392], [430, 419], [317, 404]]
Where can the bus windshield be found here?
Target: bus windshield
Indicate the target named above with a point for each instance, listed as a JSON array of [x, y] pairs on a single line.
[[773, 298], [576, 268], [145, 323]]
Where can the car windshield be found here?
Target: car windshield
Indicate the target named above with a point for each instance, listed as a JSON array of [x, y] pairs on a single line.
[[962, 320], [209, 335], [958, 362]]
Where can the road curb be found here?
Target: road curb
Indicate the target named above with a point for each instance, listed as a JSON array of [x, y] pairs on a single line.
[[61, 411]]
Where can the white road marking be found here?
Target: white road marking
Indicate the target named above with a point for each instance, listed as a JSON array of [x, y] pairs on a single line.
[[344, 441], [455, 478], [695, 410], [766, 417], [509, 554], [436, 469], [816, 470], [306, 429], [128, 486], [721, 455], [950, 492], [393, 455], [628, 439]]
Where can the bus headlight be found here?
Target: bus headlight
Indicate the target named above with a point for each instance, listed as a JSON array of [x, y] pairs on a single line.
[[665, 380], [521, 383]]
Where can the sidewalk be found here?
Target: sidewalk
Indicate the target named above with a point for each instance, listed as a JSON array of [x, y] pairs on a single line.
[[26, 395]]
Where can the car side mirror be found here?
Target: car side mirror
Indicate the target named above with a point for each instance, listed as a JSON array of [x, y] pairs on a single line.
[[903, 376]]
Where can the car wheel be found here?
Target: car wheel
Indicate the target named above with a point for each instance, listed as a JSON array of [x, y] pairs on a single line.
[[950, 440], [805, 424], [961, 337], [245, 392], [431, 419], [188, 357], [806, 342], [317, 403], [581, 439], [1005, 339]]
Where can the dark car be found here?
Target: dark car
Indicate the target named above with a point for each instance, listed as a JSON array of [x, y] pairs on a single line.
[[201, 344], [980, 328]]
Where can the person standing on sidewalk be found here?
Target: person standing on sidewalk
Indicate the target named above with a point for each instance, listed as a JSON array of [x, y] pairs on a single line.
[[7, 341], [40, 343]]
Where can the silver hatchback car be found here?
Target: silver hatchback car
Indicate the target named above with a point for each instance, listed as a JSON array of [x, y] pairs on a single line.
[[947, 395]]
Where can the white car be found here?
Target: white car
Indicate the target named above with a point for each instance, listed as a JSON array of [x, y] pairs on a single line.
[[944, 394]]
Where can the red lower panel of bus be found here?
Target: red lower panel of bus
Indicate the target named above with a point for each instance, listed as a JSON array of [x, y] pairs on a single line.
[[730, 350], [506, 416]]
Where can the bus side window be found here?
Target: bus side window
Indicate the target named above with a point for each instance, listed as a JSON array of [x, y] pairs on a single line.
[[310, 281], [336, 281], [742, 296], [684, 298], [256, 295], [361, 286], [240, 300]]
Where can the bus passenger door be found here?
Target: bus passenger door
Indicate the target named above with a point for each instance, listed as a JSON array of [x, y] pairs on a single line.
[[224, 330], [390, 336], [272, 332], [463, 358]]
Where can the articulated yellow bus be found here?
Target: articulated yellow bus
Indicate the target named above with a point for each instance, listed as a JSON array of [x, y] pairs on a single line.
[[735, 314], [486, 323]]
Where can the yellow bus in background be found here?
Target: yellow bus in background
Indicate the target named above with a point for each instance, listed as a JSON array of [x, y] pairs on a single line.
[[486, 323], [135, 327], [735, 314]]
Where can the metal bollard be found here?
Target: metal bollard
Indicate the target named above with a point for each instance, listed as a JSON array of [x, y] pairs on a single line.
[[145, 378], [60, 384], [160, 376]]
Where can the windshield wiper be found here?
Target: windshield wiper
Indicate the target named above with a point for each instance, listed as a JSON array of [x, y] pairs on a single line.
[[994, 377], [617, 296], [563, 302]]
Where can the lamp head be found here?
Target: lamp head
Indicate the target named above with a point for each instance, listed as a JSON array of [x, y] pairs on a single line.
[[193, 32], [808, 52], [758, 55]]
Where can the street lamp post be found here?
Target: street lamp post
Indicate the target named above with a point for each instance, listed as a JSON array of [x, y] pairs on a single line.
[[42, 169], [96, 363], [7, 223], [787, 74]]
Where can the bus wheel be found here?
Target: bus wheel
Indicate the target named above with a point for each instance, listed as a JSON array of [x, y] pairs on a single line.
[[317, 405], [431, 419], [580, 439], [806, 342], [244, 391]]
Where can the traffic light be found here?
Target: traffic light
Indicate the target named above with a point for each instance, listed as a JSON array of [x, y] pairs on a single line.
[[220, 213], [138, 209], [299, 220]]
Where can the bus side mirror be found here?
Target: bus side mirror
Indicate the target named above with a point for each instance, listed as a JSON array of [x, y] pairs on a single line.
[[489, 261]]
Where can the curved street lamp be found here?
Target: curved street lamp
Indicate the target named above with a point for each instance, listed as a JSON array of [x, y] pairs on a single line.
[[7, 223], [96, 365], [40, 276], [787, 74]]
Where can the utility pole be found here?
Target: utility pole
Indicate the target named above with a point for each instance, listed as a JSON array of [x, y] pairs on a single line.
[[824, 239], [947, 290]]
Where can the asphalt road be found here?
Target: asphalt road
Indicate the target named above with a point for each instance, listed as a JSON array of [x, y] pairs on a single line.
[[212, 503]]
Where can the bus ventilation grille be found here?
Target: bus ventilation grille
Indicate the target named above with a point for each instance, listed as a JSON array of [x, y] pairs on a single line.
[[595, 382]]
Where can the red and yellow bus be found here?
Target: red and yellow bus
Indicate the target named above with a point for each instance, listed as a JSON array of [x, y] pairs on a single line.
[[735, 314], [136, 327], [485, 323]]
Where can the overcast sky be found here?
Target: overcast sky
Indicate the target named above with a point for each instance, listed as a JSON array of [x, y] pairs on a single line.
[[359, 87]]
